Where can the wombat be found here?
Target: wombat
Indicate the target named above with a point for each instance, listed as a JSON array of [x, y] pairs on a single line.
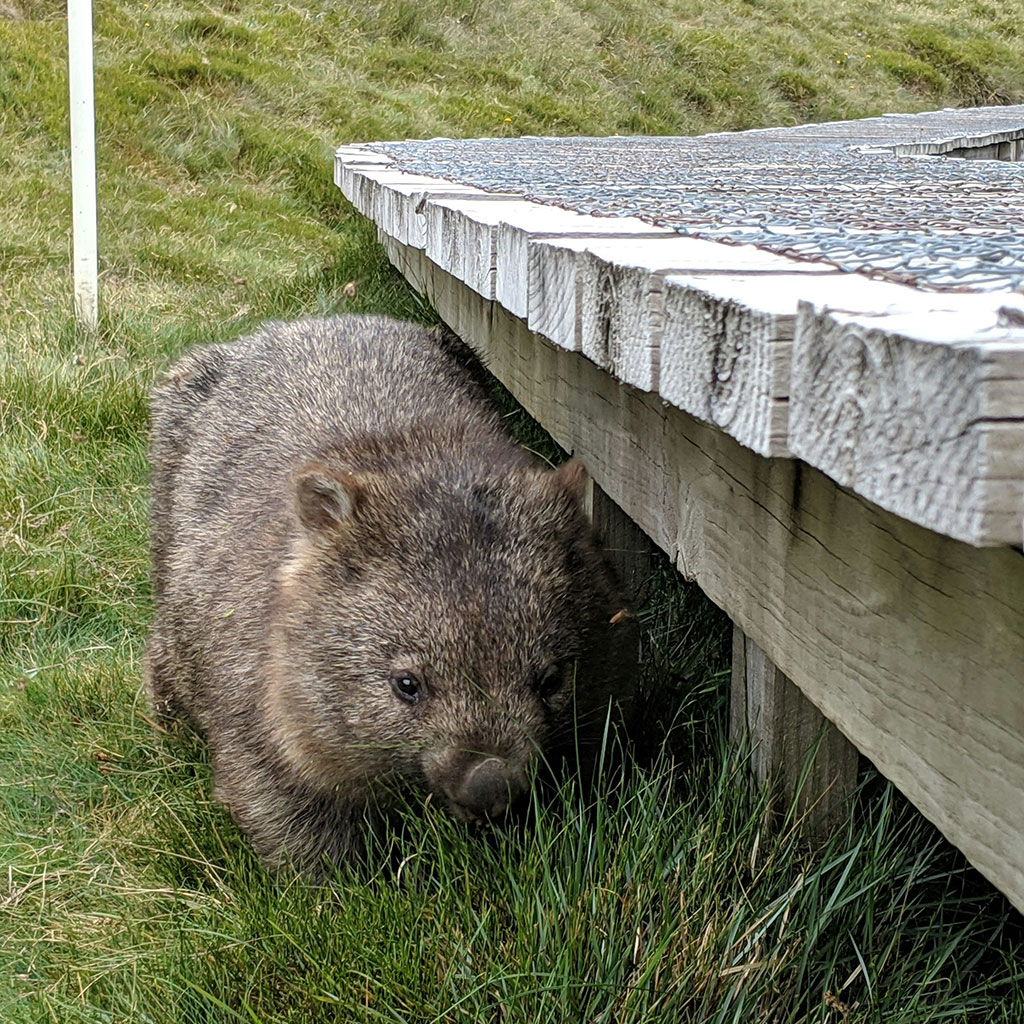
[[364, 587]]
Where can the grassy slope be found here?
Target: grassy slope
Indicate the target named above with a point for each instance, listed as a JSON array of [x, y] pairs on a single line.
[[128, 895]]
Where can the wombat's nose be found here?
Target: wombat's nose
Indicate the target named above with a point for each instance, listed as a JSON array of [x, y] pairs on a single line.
[[490, 787]]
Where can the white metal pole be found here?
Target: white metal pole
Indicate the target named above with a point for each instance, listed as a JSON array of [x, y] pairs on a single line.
[[83, 160]]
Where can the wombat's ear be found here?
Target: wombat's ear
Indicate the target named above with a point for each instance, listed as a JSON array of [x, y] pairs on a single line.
[[569, 479], [325, 500]]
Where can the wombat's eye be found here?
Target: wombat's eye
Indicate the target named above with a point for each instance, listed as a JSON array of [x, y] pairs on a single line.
[[406, 686], [548, 682]]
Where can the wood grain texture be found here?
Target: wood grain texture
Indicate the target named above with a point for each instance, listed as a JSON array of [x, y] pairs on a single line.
[[725, 353], [462, 237], [554, 296], [911, 643], [482, 238], [792, 747], [393, 199], [622, 295], [727, 340], [921, 413], [711, 328], [518, 234], [999, 145]]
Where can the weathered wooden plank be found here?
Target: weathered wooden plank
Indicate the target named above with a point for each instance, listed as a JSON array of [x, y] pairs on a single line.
[[517, 234], [726, 341], [791, 745], [395, 200], [462, 236], [482, 239], [554, 296], [357, 155], [622, 294], [725, 352], [718, 344], [999, 145], [910, 642], [920, 413]]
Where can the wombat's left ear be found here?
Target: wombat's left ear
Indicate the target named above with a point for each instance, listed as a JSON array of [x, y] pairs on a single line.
[[570, 479], [325, 500]]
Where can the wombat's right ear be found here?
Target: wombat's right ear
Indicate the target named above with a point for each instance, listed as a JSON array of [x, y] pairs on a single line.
[[325, 500], [570, 478]]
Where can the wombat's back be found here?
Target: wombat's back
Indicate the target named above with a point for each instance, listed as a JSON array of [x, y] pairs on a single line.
[[291, 388]]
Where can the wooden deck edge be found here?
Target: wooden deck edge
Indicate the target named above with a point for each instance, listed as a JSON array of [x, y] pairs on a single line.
[[1007, 144], [714, 329], [910, 642], [938, 441]]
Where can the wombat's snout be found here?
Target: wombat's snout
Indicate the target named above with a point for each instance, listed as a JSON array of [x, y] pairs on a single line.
[[488, 789]]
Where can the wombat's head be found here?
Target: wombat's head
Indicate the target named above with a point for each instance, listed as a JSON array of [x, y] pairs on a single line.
[[443, 634]]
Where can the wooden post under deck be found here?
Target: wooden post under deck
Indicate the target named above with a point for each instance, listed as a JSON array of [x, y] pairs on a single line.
[[791, 744]]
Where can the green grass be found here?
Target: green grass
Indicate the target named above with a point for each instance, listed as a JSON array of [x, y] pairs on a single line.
[[125, 894]]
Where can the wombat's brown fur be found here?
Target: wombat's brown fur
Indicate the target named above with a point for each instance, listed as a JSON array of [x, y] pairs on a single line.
[[362, 584]]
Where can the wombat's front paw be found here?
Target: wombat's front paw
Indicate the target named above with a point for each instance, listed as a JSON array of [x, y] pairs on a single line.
[[293, 829], [167, 709]]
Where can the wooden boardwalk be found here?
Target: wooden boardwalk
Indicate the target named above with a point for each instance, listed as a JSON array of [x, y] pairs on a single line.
[[795, 358]]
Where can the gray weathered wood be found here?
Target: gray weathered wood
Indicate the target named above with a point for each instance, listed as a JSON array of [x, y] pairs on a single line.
[[628, 548], [727, 340], [921, 413], [1002, 145], [394, 200], [791, 745], [554, 296], [911, 643], [622, 295], [462, 237], [517, 235], [725, 353], [482, 238], [711, 328]]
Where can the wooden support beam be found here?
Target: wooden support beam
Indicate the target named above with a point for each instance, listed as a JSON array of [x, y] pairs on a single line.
[[792, 746], [628, 548]]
